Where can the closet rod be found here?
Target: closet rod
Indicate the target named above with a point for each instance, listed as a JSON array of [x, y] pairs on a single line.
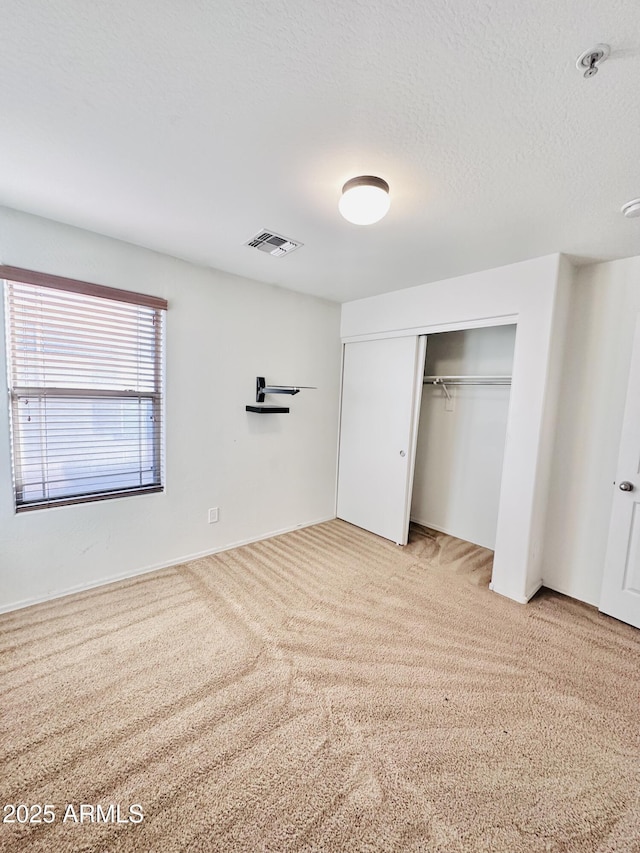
[[467, 380]]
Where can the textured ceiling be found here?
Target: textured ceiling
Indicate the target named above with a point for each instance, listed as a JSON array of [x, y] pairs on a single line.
[[188, 125]]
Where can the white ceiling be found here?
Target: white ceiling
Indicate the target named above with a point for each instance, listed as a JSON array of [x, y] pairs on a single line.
[[189, 125]]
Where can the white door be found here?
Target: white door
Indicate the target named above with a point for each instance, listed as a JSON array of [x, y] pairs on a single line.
[[381, 389], [620, 595]]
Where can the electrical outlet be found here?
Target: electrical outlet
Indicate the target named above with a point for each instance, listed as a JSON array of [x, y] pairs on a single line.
[[213, 515]]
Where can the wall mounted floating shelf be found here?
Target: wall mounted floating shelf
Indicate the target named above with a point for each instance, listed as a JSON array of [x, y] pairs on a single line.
[[269, 410], [262, 388]]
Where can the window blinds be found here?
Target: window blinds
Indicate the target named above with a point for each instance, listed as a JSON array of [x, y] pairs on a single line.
[[85, 378]]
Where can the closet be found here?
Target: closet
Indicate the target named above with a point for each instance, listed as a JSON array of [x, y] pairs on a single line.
[[423, 437], [461, 432]]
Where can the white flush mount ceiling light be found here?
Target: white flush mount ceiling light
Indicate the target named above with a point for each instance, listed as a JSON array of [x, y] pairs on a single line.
[[631, 209], [364, 200]]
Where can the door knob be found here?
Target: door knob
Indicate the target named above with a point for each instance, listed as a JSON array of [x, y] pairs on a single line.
[[402, 453], [626, 486]]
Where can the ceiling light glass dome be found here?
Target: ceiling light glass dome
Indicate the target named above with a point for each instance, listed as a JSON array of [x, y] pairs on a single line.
[[364, 200]]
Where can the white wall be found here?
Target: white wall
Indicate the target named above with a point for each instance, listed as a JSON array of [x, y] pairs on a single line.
[[460, 446], [533, 294], [605, 301], [267, 473]]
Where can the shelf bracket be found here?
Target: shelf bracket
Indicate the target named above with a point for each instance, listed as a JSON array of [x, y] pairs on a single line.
[[262, 388]]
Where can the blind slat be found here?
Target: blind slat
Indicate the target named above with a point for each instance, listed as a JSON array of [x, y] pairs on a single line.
[[50, 393]]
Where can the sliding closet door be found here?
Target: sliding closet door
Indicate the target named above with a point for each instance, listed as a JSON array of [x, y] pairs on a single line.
[[381, 389]]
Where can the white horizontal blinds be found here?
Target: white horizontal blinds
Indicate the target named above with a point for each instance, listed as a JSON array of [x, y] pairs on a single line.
[[86, 391]]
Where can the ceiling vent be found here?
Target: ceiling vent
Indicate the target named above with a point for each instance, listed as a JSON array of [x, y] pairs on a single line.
[[273, 244]]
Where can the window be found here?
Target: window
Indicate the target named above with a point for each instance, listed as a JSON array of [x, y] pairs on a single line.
[[85, 367]]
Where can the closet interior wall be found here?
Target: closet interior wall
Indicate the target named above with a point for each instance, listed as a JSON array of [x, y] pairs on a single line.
[[461, 442]]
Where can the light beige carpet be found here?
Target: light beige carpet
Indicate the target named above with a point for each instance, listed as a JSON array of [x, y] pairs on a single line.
[[323, 691]]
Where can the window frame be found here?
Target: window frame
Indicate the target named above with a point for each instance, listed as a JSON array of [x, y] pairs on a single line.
[[9, 274]]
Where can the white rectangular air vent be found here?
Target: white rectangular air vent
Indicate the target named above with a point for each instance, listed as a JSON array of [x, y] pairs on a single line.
[[273, 244]]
